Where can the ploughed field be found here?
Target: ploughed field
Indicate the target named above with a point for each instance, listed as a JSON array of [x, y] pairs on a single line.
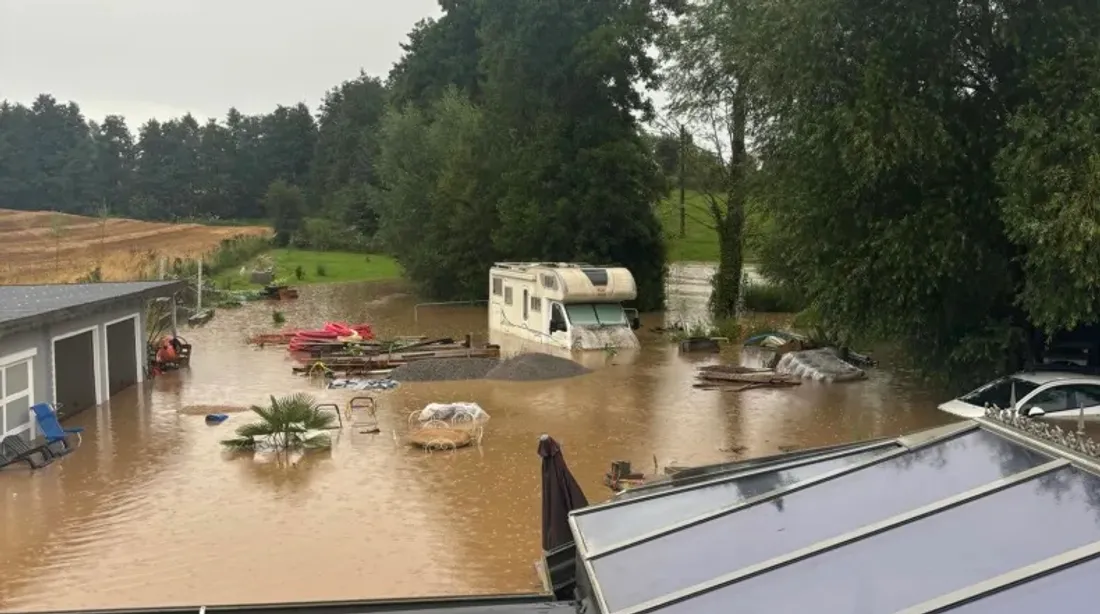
[[48, 247]]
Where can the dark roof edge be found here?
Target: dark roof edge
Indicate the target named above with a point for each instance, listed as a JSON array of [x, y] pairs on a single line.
[[20, 325], [489, 603]]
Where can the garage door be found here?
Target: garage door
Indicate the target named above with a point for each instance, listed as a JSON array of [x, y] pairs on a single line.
[[74, 372], [121, 356], [16, 394]]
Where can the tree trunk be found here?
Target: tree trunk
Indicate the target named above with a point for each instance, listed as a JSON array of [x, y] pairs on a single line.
[[727, 281]]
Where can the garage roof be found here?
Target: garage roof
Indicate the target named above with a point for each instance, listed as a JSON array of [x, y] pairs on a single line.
[[26, 307]]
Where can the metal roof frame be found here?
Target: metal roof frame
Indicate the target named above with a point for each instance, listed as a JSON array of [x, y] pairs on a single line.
[[1066, 449]]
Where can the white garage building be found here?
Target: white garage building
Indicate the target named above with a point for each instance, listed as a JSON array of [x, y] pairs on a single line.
[[72, 345]]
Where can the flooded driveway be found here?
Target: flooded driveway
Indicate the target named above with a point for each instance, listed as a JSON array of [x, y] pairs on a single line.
[[150, 511]]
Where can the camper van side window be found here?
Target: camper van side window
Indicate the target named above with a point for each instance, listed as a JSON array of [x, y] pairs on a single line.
[[498, 286], [536, 304], [508, 295], [549, 281]]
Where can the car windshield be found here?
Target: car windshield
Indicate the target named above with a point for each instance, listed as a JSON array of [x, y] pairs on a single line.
[[999, 392], [596, 314]]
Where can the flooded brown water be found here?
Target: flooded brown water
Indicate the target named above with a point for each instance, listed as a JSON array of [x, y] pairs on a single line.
[[151, 512]]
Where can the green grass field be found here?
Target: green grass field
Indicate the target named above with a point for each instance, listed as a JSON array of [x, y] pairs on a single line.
[[700, 241], [316, 267]]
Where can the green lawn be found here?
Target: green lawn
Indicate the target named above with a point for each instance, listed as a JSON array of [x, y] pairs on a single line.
[[700, 241], [316, 267]]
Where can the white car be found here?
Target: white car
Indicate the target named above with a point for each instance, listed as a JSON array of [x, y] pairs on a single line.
[[1049, 394]]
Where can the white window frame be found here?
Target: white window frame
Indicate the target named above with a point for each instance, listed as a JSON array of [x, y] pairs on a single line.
[[136, 317], [11, 360], [96, 360]]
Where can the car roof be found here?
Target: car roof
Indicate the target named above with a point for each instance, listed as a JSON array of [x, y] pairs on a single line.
[[1045, 377]]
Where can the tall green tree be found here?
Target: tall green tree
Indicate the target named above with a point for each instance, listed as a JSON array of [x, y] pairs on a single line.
[[344, 174], [285, 207], [560, 89], [709, 92], [115, 160], [920, 162], [436, 216]]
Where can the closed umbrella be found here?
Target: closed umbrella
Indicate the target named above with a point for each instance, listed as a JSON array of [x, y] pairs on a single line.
[[560, 495]]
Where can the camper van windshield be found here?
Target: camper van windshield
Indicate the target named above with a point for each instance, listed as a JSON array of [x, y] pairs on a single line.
[[596, 314]]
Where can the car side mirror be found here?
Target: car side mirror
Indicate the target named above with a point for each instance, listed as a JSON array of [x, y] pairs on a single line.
[[1035, 412]]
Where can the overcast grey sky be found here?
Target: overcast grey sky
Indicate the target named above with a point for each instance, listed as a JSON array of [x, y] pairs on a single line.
[[163, 58]]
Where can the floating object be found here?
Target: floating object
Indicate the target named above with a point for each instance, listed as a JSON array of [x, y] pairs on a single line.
[[699, 344], [453, 412], [213, 419], [746, 375], [363, 384], [823, 364], [437, 438]]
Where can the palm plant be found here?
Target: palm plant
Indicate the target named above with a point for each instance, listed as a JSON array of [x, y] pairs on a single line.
[[285, 424]]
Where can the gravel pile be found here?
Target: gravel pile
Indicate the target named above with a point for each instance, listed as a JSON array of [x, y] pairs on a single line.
[[443, 369], [536, 366]]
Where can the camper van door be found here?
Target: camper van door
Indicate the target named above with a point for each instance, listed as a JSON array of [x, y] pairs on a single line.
[[559, 326]]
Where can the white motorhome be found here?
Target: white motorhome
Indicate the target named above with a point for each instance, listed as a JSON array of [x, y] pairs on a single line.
[[574, 306]]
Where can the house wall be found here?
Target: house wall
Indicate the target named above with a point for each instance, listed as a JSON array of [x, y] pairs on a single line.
[[42, 340]]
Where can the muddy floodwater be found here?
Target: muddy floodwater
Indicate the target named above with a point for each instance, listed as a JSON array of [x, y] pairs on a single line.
[[150, 511]]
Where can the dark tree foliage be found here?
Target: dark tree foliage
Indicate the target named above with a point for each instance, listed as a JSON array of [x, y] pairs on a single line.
[[930, 168], [561, 155]]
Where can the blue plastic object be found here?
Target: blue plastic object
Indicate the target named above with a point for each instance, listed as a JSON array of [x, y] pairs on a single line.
[[50, 426], [213, 419]]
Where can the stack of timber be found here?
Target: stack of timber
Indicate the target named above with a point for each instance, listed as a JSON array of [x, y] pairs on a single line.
[[733, 378], [378, 363]]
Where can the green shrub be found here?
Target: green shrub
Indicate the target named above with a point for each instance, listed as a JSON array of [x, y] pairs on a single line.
[[278, 318], [771, 298], [321, 270], [327, 235]]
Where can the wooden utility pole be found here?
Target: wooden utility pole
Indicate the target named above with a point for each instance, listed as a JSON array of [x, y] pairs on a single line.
[[683, 210]]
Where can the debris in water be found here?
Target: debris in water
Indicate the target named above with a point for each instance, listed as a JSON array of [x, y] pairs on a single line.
[[821, 365], [205, 410], [745, 375], [363, 384]]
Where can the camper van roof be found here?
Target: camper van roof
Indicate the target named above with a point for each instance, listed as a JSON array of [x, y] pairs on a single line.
[[548, 265]]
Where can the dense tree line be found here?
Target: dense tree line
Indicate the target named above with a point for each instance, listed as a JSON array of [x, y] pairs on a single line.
[[510, 129], [930, 168]]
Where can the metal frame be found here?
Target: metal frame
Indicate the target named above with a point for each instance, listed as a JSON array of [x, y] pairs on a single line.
[[1007, 581], [847, 538], [502, 604], [910, 443], [676, 481], [1062, 458], [939, 436], [1086, 463], [731, 477]]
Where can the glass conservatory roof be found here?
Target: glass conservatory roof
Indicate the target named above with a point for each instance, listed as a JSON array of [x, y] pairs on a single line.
[[1000, 514]]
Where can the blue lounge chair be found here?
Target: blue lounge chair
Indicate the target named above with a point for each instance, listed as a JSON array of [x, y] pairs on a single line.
[[52, 430]]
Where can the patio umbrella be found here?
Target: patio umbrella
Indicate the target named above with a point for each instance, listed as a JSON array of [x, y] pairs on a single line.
[[560, 495]]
